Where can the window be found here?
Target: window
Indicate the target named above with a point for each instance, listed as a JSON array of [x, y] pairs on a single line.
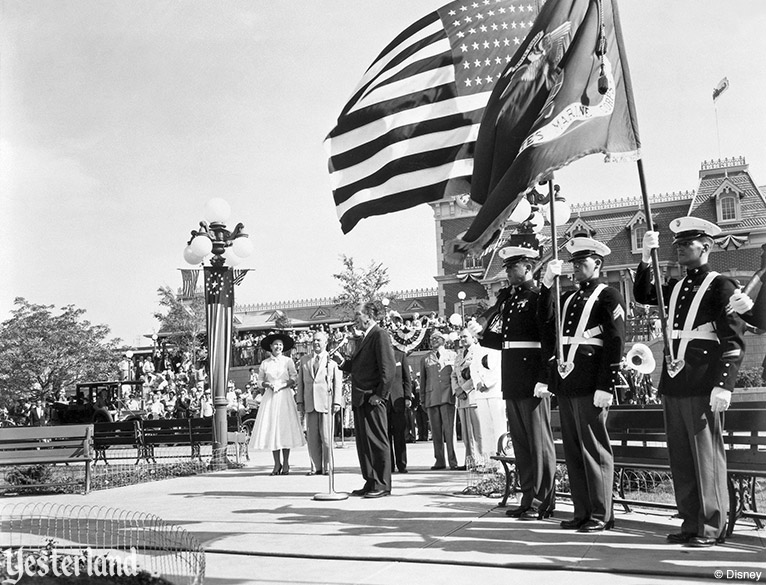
[[728, 208], [638, 237], [471, 262]]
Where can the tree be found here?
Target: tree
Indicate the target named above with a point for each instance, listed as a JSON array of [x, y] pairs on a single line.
[[184, 324], [41, 352], [359, 286]]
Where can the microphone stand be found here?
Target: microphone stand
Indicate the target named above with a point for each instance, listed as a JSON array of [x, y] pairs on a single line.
[[331, 494]]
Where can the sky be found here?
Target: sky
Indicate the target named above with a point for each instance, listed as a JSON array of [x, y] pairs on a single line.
[[119, 120]]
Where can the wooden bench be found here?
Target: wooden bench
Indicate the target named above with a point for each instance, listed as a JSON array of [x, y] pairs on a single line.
[[191, 432], [47, 445], [638, 442], [115, 434]]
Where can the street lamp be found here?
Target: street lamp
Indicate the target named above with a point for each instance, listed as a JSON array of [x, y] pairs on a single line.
[[219, 249], [461, 296]]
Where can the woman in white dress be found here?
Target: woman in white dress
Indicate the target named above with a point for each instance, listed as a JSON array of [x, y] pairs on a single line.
[[277, 426]]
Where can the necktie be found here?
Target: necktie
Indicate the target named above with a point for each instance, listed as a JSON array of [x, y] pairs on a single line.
[[316, 364]]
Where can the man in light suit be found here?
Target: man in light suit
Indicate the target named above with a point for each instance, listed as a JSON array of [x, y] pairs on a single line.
[[437, 396], [318, 378], [372, 368]]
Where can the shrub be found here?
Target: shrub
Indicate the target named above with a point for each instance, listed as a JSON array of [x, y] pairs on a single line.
[[34, 474], [749, 378]]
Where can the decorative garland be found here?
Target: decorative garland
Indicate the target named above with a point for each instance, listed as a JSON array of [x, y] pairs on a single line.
[[406, 339]]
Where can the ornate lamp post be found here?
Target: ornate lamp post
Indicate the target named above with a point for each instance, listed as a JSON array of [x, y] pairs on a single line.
[[461, 297], [219, 249]]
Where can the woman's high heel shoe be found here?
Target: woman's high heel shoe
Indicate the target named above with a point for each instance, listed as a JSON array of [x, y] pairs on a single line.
[[286, 470], [277, 470]]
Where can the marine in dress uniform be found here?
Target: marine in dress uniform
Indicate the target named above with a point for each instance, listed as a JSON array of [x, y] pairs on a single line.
[[525, 384], [593, 337], [706, 352]]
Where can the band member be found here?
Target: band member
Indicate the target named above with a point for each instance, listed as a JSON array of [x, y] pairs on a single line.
[[706, 352], [398, 406], [584, 380], [525, 384]]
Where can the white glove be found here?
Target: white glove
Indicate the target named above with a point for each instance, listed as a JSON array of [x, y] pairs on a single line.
[[651, 241], [551, 272], [602, 399], [740, 302], [719, 399], [541, 390]]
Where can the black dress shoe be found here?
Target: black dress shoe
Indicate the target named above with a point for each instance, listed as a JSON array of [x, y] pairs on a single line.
[[403, 470], [377, 494], [361, 492], [679, 537], [703, 541], [530, 514], [596, 526], [572, 524], [437, 467], [517, 512], [458, 468]]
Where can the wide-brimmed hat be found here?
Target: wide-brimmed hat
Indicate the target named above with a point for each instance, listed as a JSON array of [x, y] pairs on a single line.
[[286, 340]]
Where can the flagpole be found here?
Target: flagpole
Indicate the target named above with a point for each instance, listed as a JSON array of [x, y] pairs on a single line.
[[717, 129], [556, 281], [655, 262]]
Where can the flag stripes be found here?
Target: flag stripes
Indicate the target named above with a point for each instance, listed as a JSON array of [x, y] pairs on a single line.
[[411, 123]]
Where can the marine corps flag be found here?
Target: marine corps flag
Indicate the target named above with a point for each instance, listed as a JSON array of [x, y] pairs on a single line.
[[565, 94]]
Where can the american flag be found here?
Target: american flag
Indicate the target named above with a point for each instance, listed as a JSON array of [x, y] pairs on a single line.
[[411, 123], [189, 281]]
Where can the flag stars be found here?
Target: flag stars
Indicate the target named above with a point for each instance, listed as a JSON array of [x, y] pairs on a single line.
[[477, 63], [491, 13], [516, 41], [487, 62], [463, 8], [506, 43], [456, 23], [475, 46], [496, 43], [513, 24], [494, 26], [486, 44], [529, 7], [505, 26], [468, 19], [475, 5], [468, 83], [479, 16], [460, 34], [452, 13], [530, 23], [502, 11], [489, 79], [478, 81], [464, 48], [498, 60], [466, 65], [512, 8], [483, 28], [472, 31]]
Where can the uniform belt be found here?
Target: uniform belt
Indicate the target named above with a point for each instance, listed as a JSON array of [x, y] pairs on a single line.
[[586, 339], [705, 331], [521, 345], [582, 341]]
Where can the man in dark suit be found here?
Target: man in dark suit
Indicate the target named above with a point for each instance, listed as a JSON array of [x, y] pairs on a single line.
[[398, 405], [593, 338], [372, 368], [707, 349], [525, 383], [37, 416]]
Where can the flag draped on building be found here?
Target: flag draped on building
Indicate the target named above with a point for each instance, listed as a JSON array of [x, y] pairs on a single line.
[[410, 125], [189, 283], [566, 94], [722, 86]]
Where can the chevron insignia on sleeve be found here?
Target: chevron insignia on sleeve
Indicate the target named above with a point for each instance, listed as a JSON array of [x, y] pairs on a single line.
[[732, 353], [618, 313]]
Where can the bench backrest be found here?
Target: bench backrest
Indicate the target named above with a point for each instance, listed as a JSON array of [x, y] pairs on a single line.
[[28, 444], [116, 433], [638, 437]]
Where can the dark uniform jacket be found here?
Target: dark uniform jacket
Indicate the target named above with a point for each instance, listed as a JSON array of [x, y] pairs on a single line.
[[402, 387], [595, 367], [708, 363], [522, 367]]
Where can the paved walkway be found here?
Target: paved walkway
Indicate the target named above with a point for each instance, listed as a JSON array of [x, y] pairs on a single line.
[[261, 529]]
